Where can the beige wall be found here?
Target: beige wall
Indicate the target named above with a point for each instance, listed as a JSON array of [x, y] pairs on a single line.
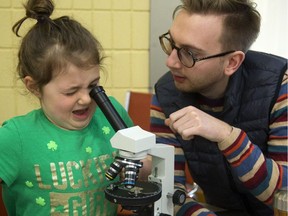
[[122, 26]]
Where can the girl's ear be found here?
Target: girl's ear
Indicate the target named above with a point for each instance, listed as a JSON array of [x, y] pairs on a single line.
[[234, 62], [31, 86]]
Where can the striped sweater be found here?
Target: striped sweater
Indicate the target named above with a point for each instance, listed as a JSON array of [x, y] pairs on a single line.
[[261, 174]]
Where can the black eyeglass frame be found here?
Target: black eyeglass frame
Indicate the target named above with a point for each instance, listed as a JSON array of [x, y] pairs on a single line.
[[178, 49]]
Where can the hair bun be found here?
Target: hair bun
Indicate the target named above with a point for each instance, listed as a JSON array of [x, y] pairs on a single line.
[[39, 9]]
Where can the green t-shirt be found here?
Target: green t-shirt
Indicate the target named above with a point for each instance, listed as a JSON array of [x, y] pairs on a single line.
[[47, 170]]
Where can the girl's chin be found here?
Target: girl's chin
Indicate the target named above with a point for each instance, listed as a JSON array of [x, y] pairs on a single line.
[[77, 126]]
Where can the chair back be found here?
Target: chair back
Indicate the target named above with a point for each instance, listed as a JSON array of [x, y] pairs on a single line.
[[2, 207], [138, 107]]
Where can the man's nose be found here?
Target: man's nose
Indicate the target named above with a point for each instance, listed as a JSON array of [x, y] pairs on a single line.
[[172, 60]]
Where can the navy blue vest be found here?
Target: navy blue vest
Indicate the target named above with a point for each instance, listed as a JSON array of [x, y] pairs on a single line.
[[252, 92]]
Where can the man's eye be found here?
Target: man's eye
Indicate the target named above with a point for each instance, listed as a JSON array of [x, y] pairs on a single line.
[[192, 53]]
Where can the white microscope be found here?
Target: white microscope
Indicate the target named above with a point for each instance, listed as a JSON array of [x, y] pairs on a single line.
[[156, 196]]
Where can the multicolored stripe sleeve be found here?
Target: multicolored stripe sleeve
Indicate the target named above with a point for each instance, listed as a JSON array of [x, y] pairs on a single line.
[[192, 208], [262, 174], [166, 136]]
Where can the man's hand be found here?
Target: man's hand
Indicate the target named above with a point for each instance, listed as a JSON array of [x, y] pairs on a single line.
[[190, 121]]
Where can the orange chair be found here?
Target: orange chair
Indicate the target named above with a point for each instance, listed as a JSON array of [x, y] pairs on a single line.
[[2, 207], [138, 107]]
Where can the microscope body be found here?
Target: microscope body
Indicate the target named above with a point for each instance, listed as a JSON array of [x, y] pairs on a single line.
[[135, 143]]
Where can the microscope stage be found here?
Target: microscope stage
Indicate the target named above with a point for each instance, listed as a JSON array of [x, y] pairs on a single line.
[[142, 194]]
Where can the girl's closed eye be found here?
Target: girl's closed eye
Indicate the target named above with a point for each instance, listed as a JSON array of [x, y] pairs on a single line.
[[70, 93], [93, 85]]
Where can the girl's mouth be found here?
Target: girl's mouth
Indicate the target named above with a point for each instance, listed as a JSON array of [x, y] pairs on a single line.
[[83, 113]]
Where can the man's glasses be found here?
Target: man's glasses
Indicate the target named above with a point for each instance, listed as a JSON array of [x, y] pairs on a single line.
[[185, 56]]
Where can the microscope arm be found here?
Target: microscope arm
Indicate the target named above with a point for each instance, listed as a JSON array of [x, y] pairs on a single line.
[[163, 173]]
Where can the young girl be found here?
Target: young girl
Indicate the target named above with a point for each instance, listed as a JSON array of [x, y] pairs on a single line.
[[53, 160]]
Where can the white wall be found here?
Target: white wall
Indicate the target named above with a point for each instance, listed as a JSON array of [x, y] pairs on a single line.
[[273, 37], [160, 21]]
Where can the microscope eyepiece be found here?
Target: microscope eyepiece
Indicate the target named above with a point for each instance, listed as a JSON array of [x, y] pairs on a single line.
[[101, 99]]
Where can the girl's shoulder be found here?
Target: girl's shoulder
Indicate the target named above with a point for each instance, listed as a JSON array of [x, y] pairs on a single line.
[[29, 119]]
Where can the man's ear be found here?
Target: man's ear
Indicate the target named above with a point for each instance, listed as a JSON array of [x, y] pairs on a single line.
[[31, 86], [234, 62]]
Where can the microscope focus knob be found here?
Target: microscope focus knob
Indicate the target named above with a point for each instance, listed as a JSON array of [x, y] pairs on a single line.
[[179, 197]]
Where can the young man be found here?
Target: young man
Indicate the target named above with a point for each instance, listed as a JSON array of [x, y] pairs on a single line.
[[223, 107]]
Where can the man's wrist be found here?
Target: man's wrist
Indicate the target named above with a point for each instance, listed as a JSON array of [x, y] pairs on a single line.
[[229, 140]]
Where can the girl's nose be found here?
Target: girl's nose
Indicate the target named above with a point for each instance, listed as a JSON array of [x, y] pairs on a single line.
[[84, 98]]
